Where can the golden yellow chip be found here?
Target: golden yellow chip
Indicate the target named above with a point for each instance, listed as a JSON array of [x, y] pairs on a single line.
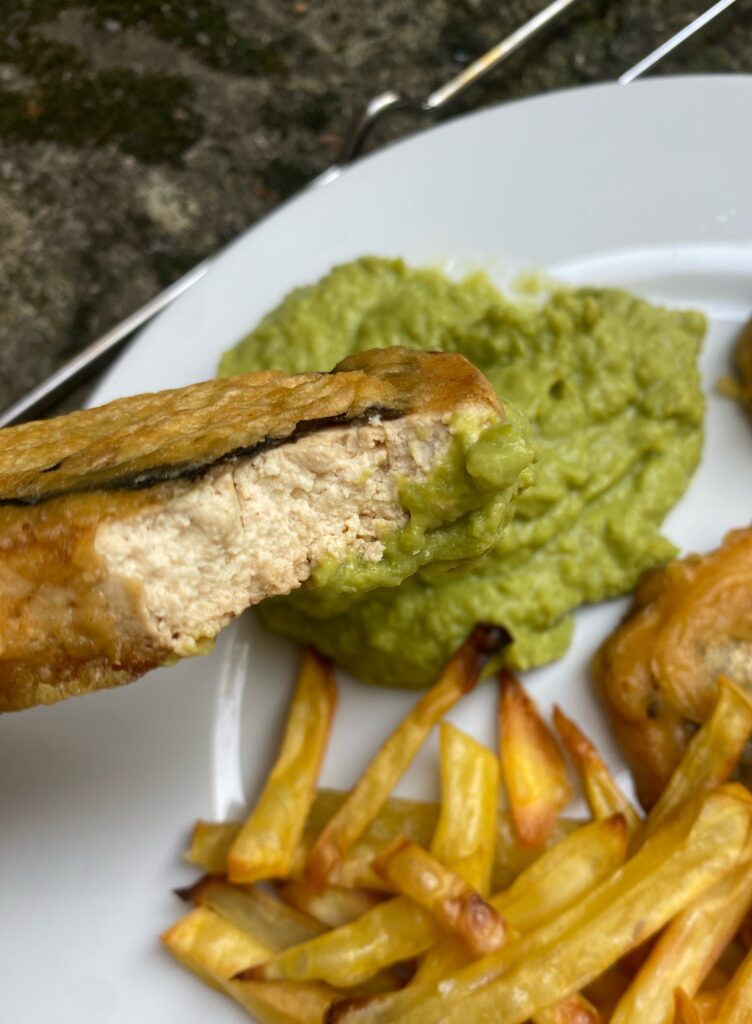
[[455, 905], [214, 949], [601, 791], [686, 951], [466, 833], [269, 920], [266, 844], [210, 845], [282, 1002], [535, 774], [686, 856], [558, 880], [346, 957], [465, 836], [212, 946], [334, 906], [368, 795]]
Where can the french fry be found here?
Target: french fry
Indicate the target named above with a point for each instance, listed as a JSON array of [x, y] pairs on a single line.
[[557, 880], [369, 793], [559, 943], [398, 816], [736, 1003], [564, 874], [572, 1010], [685, 1010], [601, 791], [334, 906], [465, 834], [511, 858], [711, 755], [621, 914], [398, 929], [210, 844], [708, 1002], [212, 947], [455, 905], [268, 840], [346, 957], [272, 922], [211, 841], [282, 1002], [355, 871], [416, 819], [690, 852], [535, 774], [686, 950]]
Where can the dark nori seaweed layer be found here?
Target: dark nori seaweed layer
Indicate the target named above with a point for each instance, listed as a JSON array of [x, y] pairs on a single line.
[[195, 470]]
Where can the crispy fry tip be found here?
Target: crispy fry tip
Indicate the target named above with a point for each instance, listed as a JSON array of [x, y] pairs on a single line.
[[533, 766], [618, 824], [316, 655], [340, 1008], [192, 893], [255, 973], [575, 742], [480, 926], [488, 639], [507, 680], [481, 644]]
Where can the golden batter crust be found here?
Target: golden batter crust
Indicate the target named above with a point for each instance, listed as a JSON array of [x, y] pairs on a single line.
[[657, 674], [147, 438]]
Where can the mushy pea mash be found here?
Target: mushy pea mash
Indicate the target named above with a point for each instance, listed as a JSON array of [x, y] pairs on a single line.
[[611, 389]]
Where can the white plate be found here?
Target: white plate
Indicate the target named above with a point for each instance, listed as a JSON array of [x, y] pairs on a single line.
[[647, 187]]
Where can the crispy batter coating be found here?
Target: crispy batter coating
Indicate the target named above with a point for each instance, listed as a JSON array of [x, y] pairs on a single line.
[[690, 622], [147, 439]]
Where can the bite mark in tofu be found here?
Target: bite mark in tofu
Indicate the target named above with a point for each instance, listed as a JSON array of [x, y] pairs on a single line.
[[256, 527]]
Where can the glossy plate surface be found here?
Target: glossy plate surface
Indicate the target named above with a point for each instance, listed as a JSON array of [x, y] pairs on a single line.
[[646, 186]]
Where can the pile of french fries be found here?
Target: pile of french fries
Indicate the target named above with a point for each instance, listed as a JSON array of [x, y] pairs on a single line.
[[361, 908]]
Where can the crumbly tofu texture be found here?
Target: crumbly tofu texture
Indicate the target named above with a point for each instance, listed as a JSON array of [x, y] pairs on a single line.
[[256, 527]]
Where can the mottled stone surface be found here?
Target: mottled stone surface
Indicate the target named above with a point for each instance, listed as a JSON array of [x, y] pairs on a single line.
[[137, 136]]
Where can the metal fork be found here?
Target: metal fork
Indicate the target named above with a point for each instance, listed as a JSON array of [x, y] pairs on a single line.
[[102, 351]]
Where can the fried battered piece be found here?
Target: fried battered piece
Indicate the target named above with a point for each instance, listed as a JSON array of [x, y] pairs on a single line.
[[743, 365], [131, 534], [690, 622]]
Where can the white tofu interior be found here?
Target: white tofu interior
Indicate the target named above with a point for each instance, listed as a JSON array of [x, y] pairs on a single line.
[[256, 527]]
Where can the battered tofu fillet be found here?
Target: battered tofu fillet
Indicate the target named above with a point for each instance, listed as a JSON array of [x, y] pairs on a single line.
[[741, 388], [690, 622], [131, 534]]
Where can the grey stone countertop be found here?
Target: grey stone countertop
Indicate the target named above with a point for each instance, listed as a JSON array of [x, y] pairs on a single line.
[[138, 136]]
